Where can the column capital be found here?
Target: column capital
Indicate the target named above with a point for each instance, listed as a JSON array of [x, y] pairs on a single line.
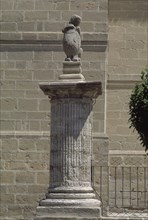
[[72, 89]]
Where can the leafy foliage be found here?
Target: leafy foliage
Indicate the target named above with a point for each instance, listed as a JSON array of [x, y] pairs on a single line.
[[138, 109]]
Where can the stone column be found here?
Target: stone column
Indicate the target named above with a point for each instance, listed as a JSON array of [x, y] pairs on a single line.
[[70, 194], [70, 161]]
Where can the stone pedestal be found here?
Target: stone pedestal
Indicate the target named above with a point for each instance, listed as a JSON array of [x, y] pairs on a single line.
[[70, 194], [72, 71]]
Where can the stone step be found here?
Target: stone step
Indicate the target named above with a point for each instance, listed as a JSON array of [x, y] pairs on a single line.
[[68, 212], [66, 218], [94, 203], [70, 196]]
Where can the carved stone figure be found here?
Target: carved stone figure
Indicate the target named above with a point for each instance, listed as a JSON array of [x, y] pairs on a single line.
[[72, 39]]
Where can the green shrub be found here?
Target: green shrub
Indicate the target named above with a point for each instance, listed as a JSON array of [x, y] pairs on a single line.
[[138, 109]]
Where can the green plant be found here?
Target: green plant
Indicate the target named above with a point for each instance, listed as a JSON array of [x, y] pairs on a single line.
[[138, 109]]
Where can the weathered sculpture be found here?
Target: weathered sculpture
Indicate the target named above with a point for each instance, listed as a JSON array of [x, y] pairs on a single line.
[[72, 39]]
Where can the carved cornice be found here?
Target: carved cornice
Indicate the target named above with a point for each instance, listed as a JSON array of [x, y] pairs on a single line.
[[45, 45], [72, 89], [40, 134], [24, 134], [121, 84], [127, 152], [28, 41]]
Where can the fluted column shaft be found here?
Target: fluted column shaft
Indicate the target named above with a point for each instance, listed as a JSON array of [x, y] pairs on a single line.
[[71, 142]]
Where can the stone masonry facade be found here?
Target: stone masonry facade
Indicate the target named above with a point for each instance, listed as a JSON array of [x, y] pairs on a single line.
[[127, 57], [114, 40]]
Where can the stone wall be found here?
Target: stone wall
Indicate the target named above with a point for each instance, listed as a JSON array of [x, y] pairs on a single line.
[[32, 52], [24, 174], [127, 57]]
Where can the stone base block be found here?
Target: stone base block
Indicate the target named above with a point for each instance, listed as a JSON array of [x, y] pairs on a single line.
[[72, 67], [72, 208], [51, 213], [72, 71]]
